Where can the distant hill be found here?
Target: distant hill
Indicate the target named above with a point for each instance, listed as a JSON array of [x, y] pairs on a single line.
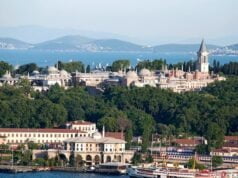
[[86, 44], [112, 45], [81, 43], [233, 47], [64, 43], [181, 47], [10, 43]]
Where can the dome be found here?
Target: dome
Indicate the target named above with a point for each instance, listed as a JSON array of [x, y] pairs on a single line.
[[63, 73], [131, 74], [52, 69], [145, 72], [35, 72], [97, 135]]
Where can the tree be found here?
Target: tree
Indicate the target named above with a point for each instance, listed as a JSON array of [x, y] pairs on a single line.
[[25, 86], [136, 159], [4, 66], [27, 68], [202, 149], [71, 66], [214, 135], [72, 160], [120, 65], [216, 161], [193, 164], [88, 70]]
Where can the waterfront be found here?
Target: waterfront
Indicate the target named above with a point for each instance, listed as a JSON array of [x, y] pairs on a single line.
[[47, 58], [58, 175]]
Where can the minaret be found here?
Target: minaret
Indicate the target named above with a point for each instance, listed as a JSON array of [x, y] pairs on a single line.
[[202, 61]]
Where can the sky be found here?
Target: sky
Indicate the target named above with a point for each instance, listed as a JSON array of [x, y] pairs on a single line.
[[145, 21]]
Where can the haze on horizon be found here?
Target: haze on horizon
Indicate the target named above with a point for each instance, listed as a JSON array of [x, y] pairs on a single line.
[[141, 21]]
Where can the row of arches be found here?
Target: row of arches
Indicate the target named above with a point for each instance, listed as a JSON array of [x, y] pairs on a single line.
[[90, 159]]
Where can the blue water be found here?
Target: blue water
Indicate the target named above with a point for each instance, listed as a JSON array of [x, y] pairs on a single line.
[[57, 175], [46, 58]]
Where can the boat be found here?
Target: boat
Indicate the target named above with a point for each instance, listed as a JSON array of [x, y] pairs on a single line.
[[180, 173], [153, 172], [112, 168]]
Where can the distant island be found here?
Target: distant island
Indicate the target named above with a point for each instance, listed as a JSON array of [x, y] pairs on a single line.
[[85, 44]]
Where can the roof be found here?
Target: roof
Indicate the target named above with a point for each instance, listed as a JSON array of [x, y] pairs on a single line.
[[203, 47], [46, 130], [234, 145], [81, 122], [93, 140], [231, 138], [188, 141], [117, 135]]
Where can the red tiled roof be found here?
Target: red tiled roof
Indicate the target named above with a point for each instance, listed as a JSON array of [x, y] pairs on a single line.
[[233, 145], [117, 135], [231, 138], [188, 141], [40, 130], [82, 122], [221, 150]]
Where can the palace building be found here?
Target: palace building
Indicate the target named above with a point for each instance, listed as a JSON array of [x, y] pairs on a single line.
[[175, 79], [15, 136], [80, 138]]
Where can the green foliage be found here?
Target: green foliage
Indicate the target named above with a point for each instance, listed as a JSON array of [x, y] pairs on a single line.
[[211, 113], [202, 149], [136, 159], [151, 65], [193, 164], [40, 162], [27, 68], [149, 158], [120, 65], [88, 69], [228, 69], [215, 135], [26, 158], [71, 66], [4, 66], [33, 146], [216, 161], [72, 160]]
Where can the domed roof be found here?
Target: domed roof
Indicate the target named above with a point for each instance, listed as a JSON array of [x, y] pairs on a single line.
[[131, 74], [145, 72], [35, 72], [63, 72], [52, 69], [97, 135]]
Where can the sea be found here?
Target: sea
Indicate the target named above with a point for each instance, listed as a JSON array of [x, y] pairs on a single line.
[[49, 58], [58, 175]]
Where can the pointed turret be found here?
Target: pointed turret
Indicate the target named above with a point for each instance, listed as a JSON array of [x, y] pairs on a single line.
[[202, 61], [203, 47]]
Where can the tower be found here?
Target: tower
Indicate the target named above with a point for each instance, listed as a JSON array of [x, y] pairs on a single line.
[[202, 61]]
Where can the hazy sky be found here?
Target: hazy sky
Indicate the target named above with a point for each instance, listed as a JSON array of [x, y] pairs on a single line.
[[178, 20]]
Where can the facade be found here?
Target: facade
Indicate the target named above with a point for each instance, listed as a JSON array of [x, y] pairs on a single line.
[[42, 82], [98, 149], [80, 138], [8, 79], [15, 136], [43, 136]]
